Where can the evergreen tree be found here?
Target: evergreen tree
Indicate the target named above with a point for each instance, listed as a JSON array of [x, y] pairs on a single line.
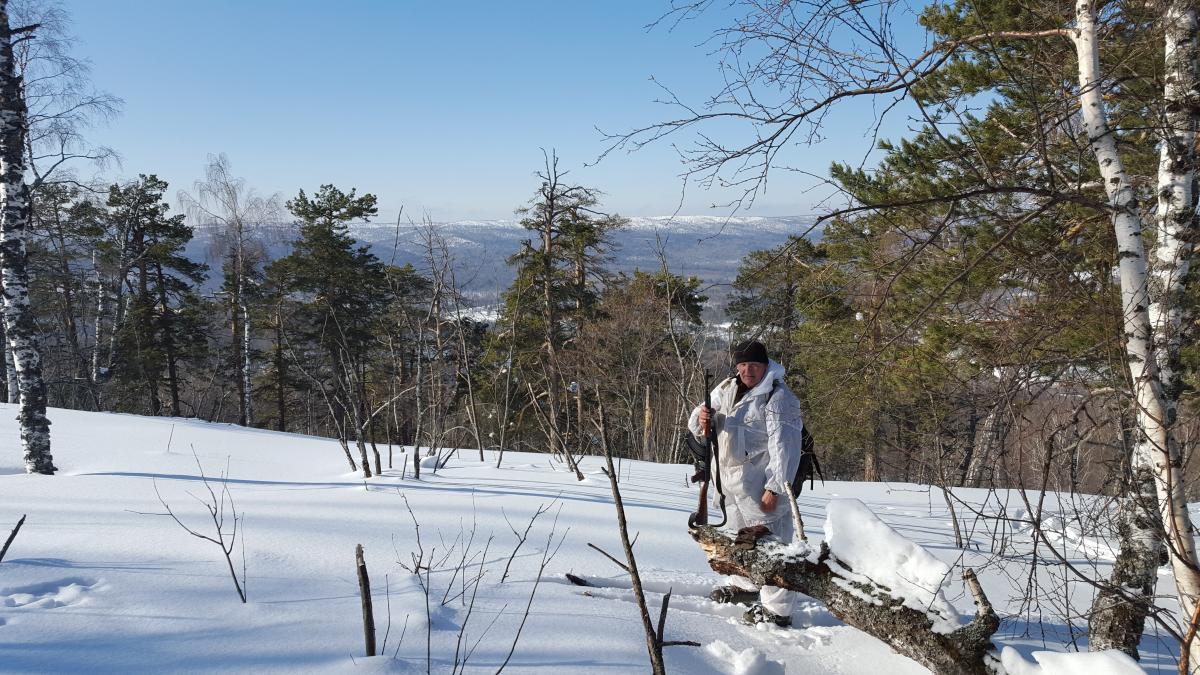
[[555, 291], [67, 222], [164, 319], [344, 294]]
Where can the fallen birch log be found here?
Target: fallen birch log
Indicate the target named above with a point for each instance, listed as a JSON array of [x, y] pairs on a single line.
[[863, 604]]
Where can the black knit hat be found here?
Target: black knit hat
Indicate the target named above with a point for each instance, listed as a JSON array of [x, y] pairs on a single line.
[[751, 351]]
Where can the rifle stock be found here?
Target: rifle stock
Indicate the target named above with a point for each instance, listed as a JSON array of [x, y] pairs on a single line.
[[700, 516]]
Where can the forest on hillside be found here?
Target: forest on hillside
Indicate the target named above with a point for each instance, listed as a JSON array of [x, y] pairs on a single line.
[[1006, 301]]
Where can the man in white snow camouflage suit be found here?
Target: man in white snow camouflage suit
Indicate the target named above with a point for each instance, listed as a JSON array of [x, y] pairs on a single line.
[[759, 428]]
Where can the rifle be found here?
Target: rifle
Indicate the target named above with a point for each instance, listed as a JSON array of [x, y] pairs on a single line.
[[708, 464]]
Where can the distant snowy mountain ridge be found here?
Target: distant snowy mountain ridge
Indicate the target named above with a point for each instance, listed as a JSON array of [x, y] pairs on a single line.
[[696, 223], [709, 247]]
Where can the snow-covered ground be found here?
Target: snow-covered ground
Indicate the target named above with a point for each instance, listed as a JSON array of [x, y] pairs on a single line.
[[98, 581]]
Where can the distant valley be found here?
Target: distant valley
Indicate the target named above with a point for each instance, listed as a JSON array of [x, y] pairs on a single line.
[[709, 247]]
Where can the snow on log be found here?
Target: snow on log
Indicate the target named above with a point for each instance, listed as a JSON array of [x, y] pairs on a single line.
[[1108, 662], [875, 580], [866, 550]]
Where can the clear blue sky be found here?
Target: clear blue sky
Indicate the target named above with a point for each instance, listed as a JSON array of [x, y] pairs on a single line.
[[440, 107]]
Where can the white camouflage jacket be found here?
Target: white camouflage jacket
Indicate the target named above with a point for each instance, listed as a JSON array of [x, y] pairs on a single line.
[[759, 439]]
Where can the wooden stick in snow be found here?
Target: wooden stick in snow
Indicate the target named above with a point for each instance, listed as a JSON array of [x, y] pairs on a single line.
[[12, 535], [796, 519], [364, 589]]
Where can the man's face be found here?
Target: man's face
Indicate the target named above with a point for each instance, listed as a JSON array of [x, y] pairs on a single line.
[[751, 373]]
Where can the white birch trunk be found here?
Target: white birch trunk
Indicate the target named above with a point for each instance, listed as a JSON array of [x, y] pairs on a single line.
[[245, 337], [98, 288], [1171, 258], [120, 309], [14, 217], [1139, 345]]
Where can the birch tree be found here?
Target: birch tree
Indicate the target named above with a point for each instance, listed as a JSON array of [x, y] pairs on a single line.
[[61, 105], [1149, 340], [14, 218], [226, 201]]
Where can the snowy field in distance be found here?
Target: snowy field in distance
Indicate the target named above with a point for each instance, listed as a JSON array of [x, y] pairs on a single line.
[[96, 582]]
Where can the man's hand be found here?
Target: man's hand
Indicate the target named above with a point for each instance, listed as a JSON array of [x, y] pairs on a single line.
[[769, 500], [704, 415]]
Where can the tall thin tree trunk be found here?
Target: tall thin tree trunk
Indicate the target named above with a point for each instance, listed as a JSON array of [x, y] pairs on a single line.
[[120, 310], [280, 372], [469, 380], [247, 390], [871, 458], [986, 447], [168, 339], [550, 317], [1176, 227], [506, 410], [145, 309], [8, 382], [239, 346], [14, 217], [98, 289], [647, 426]]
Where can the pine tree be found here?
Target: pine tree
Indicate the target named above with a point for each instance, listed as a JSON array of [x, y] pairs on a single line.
[[163, 321], [555, 291], [66, 224], [345, 292]]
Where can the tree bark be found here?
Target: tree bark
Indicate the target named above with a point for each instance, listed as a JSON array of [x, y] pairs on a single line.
[[868, 607], [14, 217], [1171, 258], [986, 448], [12, 389], [1118, 614], [647, 426], [97, 286]]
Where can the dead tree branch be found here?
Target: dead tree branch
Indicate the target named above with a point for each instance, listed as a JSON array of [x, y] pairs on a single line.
[[653, 639], [216, 505]]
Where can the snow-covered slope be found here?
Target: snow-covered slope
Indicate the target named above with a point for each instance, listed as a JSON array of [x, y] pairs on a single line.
[[97, 582]]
